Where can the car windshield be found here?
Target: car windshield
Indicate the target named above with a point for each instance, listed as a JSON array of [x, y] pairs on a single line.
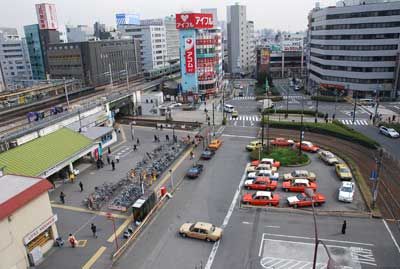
[[344, 170], [392, 130], [347, 189], [300, 196]]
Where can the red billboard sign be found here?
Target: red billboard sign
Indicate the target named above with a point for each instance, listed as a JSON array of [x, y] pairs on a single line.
[[194, 21], [189, 56]]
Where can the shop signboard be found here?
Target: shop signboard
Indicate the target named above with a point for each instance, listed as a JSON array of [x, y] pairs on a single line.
[[189, 56], [194, 21], [264, 56], [41, 228]]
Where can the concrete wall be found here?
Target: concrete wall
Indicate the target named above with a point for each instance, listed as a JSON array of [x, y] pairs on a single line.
[[13, 253]]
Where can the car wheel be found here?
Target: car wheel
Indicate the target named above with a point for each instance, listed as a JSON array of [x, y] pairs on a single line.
[[286, 190], [208, 239], [247, 187], [316, 204], [295, 206], [268, 189], [183, 234]]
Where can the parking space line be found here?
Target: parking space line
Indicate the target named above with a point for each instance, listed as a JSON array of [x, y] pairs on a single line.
[[94, 258], [391, 235], [261, 246], [311, 238], [84, 210]]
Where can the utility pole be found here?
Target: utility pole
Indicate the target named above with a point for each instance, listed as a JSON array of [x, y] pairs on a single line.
[[316, 106], [213, 108], [268, 130], [223, 103], [336, 96], [378, 162], [376, 102], [111, 80], [301, 125], [355, 107], [262, 128], [127, 76], [66, 92], [287, 101]]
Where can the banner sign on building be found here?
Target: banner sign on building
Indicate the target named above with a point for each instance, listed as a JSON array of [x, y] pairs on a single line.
[[189, 56], [204, 41], [46, 15], [125, 18], [194, 21], [264, 57], [42, 227]]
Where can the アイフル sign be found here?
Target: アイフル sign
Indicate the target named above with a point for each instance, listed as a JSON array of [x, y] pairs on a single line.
[[194, 21], [189, 56]]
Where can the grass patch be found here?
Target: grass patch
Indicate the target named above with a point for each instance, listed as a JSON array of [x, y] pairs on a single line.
[[287, 156], [335, 129]]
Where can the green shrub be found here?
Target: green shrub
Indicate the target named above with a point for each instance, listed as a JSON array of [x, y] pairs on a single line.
[[296, 111], [287, 156], [328, 98], [332, 129]]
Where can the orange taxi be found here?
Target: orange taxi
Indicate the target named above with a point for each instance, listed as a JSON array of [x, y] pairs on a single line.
[[215, 144]]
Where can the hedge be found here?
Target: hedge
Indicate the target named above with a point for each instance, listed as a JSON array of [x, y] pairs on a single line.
[[286, 156], [328, 98], [296, 111], [335, 129]]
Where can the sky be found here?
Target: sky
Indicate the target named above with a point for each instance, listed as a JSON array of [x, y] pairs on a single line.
[[287, 15]]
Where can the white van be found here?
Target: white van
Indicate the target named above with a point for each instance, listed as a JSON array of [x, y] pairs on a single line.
[[366, 102], [229, 108]]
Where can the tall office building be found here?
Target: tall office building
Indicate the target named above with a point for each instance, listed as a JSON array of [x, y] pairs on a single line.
[[32, 35], [79, 33], [15, 67], [354, 47], [241, 47], [172, 39]]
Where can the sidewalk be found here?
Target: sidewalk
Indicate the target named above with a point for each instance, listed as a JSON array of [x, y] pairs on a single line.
[[75, 218]]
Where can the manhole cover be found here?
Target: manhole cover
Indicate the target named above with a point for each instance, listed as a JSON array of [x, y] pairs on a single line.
[[81, 243]]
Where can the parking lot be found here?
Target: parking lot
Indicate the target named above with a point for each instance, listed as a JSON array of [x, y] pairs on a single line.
[[327, 184]]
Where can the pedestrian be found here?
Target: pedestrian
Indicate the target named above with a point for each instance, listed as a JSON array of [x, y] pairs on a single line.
[[117, 158], [137, 141], [109, 150], [155, 138], [370, 116], [191, 155], [134, 147], [98, 163], [344, 225], [94, 230], [81, 186], [72, 240], [62, 197], [175, 139], [326, 120], [108, 159], [333, 117], [167, 138], [161, 126], [156, 126], [113, 165], [188, 138], [101, 162], [394, 118]]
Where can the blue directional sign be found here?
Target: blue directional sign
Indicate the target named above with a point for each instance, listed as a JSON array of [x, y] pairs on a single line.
[[374, 175]]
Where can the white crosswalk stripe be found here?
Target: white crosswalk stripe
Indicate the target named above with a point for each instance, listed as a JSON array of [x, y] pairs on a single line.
[[244, 98], [245, 118], [356, 122], [294, 97]]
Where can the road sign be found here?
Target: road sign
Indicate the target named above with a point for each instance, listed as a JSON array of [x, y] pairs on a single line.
[[374, 175]]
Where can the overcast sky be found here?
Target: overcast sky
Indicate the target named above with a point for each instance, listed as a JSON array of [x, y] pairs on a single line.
[[288, 15]]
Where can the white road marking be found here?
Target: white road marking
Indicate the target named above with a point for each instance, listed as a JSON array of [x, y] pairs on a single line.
[[311, 238], [391, 235], [240, 136], [272, 226], [261, 245], [246, 222], [226, 220]]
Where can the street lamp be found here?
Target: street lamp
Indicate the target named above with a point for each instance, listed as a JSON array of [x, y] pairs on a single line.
[[331, 263], [336, 97], [355, 106], [316, 105]]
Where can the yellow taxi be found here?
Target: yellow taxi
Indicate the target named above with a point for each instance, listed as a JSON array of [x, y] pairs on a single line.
[[343, 171], [201, 230], [235, 114], [215, 144], [253, 145]]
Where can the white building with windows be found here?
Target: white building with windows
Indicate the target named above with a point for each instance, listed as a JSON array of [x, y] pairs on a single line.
[[14, 60], [354, 47], [79, 33]]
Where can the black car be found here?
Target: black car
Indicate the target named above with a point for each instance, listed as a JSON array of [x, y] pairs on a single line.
[[207, 154], [241, 94], [195, 171]]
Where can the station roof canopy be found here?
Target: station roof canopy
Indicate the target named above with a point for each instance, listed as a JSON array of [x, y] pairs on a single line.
[[37, 156]]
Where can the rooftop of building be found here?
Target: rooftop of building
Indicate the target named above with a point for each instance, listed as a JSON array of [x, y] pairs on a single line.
[[39, 155], [17, 191]]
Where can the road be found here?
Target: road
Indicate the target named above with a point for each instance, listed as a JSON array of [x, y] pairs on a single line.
[[253, 238]]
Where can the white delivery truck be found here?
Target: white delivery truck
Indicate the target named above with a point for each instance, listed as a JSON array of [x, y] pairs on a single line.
[[264, 104]]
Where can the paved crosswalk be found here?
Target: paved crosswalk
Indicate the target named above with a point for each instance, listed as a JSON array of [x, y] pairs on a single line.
[[246, 118], [294, 97], [244, 98], [356, 122]]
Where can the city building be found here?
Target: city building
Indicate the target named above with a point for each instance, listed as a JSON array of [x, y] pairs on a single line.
[[79, 33], [353, 47], [27, 222], [200, 53], [153, 42], [241, 44], [15, 67], [92, 61], [32, 35], [172, 39], [100, 31]]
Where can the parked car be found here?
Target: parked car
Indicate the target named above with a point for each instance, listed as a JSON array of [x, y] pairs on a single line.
[[328, 157], [264, 173], [302, 199], [298, 185], [343, 171], [346, 192], [261, 183], [215, 144], [261, 166], [235, 114], [282, 142], [195, 171], [390, 132], [241, 93], [300, 174], [268, 161], [201, 230], [207, 154], [253, 145], [307, 146], [261, 198]]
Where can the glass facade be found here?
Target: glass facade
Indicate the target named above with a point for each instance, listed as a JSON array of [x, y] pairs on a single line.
[[32, 36]]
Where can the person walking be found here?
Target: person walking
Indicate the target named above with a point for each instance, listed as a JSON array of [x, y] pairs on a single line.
[[117, 158], [81, 186], [161, 126], [72, 240], [155, 138], [62, 197], [113, 165], [108, 159], [344, 226], [109, 150], [94, 230], [134, 147], [137, 141], [191, 155], [167, 138]]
